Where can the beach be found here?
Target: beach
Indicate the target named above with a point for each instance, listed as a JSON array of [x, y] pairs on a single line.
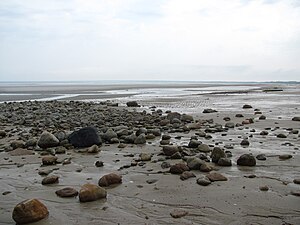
[[200, 121]]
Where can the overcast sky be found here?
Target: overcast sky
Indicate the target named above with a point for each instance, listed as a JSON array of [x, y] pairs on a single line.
[[232, 40]]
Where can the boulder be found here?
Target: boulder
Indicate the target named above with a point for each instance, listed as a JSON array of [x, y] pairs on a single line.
[[246, 160], [194, 143], [110, 179], [47, 140], [296, 118], [29, 211], [85, 137], [91, 192]]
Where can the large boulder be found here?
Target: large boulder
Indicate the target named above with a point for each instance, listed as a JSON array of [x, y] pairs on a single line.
[[47, 140], [85, 137], [110, 179], [29, 211], [246, 160], [91, 192]]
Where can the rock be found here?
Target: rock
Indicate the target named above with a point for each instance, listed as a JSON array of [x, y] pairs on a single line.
[[67, 192], [141, 131], [295, 193], [151, 181], [44, 172], [31, 143], [2, 133], [176, 155], [178, 213], [108, 135], [264, 188], [245, 142], [20, 152], [264, 132], [205, 168], [224, 162], [204, 148], [281, 135], [91, 192], [246, 160], [186, 175], [203, 181], [122, 145], [216, 154], [209, 111], [99, 164], [261, 157], [145, 157], [60, 150], [47, 140], [173, 115], [165, 137], [239, 115], [164, 142], [262, 117], [186, 118], [170, 149], [285, 157], [214, 176], [17, 144], [296, 118], [165, 165], [29, 211], [132, 104], [194, 143], [85, 137], [130, 138], [49, 160], [229, 125], [93, 149], [246, 106], [296, 181], [179, 168], [194, 163], [50, 180], [141, 139], [110, 179]]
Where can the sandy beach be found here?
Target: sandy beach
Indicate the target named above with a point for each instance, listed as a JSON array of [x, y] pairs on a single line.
[[151, 193]]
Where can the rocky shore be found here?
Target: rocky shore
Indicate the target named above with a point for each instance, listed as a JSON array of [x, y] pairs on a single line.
[[78, 162]]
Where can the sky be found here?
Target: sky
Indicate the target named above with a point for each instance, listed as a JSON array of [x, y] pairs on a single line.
[[197, 40]]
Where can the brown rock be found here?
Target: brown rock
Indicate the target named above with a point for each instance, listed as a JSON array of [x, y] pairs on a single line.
[[214, 176], [91, 192], [50, 180], [29, 211], [186, 175], [110, 179], [264, 188], [49, 160], [205, 168], [93, 149], [21, 151], [67, 192], [179, 168]]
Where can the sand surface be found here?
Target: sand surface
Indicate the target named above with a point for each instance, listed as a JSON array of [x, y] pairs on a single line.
[[236, 201]]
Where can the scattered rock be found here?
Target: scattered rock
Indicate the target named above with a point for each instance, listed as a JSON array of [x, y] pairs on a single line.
[[91, 192], [110, 179], [205, 168], [262, 117], [85, 137], [47, 140], [246, 160], [296, 118], [281, 136], [99, 164], [285, 157], [203, 181], [224, 162], [17, 144], [50, 180], [45, 172], [216, 154], [264, 132], [186, 175], [49, 160], [214, 176], [170, 149], [264, 188], [141, 139], [194, 163], [67, 192], [209, 111], [295, 193], [245, 142], [179, 168], [178, 213], [151, 181], [93, 149], [186, 118], [246, 106], [194, 143], [20, 152], [261, 157], [29, 211], [165, 165], [145, 157], [296, 181], [229, 125]]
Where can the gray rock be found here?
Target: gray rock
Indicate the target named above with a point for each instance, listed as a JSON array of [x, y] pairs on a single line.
[[145, 156], [229, 125], [224, 162], [187, 118], [216, 154], [179, 168], [261, 157], [245, 142], [204, 148], [194, 143], [141, 139], [132, 104], [246, 160], [194, 163], [203, 181], [296, 118], [47, 140], [108, 135]]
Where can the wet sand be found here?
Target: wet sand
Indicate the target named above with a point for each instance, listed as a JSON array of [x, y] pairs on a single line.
[[236, 201]]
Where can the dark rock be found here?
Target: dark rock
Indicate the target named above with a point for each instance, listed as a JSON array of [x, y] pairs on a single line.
[[246, 106], [17, 144], [108, 135], [170, 150], [47, 140], [178, 213], [145, 156], [239, 115], [110, 179], [262, 117], [141, 139], [194, 143], [224, 162], [29, 211], [165, 137], [165, 165], [151, 181], [141, 131], [264, 188], [264, 132], [209, 111], [2, 133], [50, 180], [173, 115], [296, 118], [205, 168], [176, 155], [285, 157], [186, 118], [246, 160], [281, 135], [296, 181], [216, 154], [186, 175], [99, 164], [132, 104], [91, 192], [261, 157], [295, 193], [60, 150], [214, 176], [49, 160], [164, 142], [194, 163], [179, 168], [229, 125], [67, 192], [85, 137], [245, 142]]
